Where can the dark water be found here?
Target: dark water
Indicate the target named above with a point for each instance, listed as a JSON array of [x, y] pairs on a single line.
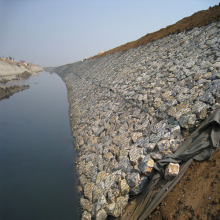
[[36, 153]]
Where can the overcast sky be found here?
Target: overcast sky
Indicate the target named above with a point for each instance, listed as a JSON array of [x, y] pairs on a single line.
[[56, 32]]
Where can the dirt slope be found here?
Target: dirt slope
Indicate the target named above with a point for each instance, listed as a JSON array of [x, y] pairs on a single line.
[[196, 196]]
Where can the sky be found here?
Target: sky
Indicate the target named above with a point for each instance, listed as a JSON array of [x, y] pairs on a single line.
[[57, 32]]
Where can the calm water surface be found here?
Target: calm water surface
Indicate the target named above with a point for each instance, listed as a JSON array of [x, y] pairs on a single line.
[[36, 154]]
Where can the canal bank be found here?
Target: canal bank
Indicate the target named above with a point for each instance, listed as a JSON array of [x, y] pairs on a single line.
[[131, 108], [36, 153]]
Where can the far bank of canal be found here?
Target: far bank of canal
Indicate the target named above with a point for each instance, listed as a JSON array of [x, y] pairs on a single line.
[[37, 176]]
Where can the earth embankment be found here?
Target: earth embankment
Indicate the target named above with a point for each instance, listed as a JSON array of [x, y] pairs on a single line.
[[129, 109], [11, 70]]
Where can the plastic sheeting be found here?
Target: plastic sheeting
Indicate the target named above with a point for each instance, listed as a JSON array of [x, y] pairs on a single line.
[[199, 146]]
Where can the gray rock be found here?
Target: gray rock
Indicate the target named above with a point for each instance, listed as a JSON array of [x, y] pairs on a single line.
[[142, 142], [124, 187], [101, 215], [140, 186], [146, 165], [207, 98], [101, 203], [200, 109], [156, 155], [86, 205], [86, 216], [88, 190], [175, 131], [149, 148], [115, 209], [187, 120], [133, 178], [135, 155], [135, 136]]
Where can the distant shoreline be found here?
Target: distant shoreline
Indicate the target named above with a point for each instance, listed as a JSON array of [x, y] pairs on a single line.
[[12, 70]]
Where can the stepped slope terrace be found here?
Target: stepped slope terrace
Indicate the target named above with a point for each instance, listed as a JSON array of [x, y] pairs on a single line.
[[130, 108]]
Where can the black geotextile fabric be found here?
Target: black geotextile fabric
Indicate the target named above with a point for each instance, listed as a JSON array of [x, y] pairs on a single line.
[[199, 146]]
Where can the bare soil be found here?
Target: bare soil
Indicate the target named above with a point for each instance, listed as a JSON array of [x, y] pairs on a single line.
[[198, 19], [196, 196]]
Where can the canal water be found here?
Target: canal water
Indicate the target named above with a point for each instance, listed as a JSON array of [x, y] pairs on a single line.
[[37, 177]]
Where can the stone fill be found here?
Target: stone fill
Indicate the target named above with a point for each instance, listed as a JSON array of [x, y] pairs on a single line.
[[129, 109]]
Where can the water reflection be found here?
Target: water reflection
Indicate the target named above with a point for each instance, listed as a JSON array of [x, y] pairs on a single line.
[[36, 153]]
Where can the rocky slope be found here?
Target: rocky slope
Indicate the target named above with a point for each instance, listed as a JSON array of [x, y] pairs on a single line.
[[10, 70], [130, 108]]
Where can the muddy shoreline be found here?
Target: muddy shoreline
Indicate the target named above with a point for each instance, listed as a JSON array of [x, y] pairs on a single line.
[[7, 91]]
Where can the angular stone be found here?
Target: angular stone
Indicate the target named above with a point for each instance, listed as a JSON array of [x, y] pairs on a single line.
[[150, 147], [102, 175], [108, 156], [96, 193], [191, 120], [113, 194], [146, 165], [207, 98], [82, 179], [88, 168], [112, 165], [133, 178], [111, 210], [114, 150], [121, 140], [172, 121], [123, 153], [101, 203], [112, 179], [187, 120], [175, 132], [116, 209], [154, 138], [135, 136], [88, 190], [142, 142], [86, 216], [101, 215], [163, 145], [140, 186], [99, 130], [156, 155], [135, 155], [200, 109], [124, 187], [124, 164], [167, 95], [86, 205], [172, 170]]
